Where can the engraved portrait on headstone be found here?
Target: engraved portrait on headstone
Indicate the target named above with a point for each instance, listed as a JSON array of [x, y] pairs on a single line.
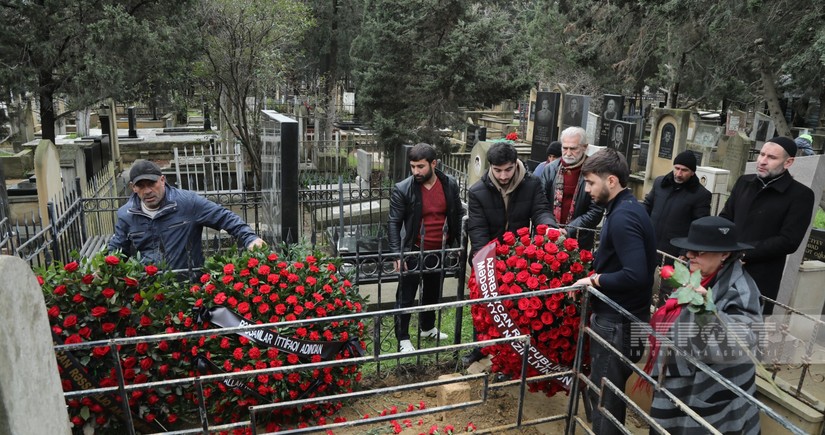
[[621, 137], [612, 109], [666, 141], [575, 108], [544, 126]]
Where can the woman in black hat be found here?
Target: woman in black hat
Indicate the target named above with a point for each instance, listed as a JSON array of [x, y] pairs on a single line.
[[712, 250]]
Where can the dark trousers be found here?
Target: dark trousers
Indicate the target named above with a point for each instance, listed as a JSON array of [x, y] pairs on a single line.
[[606, 364], [431, 282]]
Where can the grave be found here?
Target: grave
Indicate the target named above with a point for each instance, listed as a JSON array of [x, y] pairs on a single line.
[[31, 396], [731, 153], [668, 137]]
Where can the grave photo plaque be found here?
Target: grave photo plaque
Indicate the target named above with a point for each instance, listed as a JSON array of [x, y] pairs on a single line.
[[612, 109], [621, 137], [575, 108], [666, 141]]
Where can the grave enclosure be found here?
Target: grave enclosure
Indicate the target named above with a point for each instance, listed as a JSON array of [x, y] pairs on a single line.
[[348, 215]]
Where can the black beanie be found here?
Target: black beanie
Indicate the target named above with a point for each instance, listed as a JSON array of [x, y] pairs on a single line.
[[687, 159], [554, 149], [787, 143]]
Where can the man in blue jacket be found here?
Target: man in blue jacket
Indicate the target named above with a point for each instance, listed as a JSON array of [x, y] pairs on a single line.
[[165, 224], [624, 265]]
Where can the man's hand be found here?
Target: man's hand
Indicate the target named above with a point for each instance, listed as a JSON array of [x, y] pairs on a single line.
[[257, 243], [583, 281], [398, 265]]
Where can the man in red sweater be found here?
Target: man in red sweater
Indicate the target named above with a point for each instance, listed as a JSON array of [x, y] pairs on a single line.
[[427, 207], [563, 183]]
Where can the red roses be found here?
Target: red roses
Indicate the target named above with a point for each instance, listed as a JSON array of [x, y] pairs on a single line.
[[524, 264]]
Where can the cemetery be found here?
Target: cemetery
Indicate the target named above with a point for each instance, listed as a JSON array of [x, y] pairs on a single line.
[[305, 146]]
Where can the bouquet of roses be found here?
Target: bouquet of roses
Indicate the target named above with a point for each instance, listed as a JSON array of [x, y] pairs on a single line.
[[258, 287], [524, 264], [688, 288], [105, 297]]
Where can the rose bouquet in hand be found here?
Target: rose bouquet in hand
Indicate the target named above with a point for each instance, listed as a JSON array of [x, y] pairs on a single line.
[[688, 288]]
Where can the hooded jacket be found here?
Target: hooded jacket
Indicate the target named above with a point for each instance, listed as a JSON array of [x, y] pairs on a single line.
[[493, 212], [673, 206], [173, 237]]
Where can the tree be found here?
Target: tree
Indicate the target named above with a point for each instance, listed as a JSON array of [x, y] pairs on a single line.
[[247, 44], [85, 50], [417, 63]]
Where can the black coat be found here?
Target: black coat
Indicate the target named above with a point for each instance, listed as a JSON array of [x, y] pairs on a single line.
[[488, 218], [587, 213], [673, 206], [405, 210], [773, 219]]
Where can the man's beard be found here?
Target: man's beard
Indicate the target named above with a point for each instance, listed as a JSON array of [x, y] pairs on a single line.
[[570, 160], [603, 198], [424, 178]]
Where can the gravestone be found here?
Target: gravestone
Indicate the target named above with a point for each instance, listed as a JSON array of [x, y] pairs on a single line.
[[544, 119], [668, 138], [809, 171], [612, 109], [130, 111], [31, 396], [363, 165], [207, 120], [815, 248], [47, 173], [478, 162], [4, 196], [731, 153], [279, 168], [592, 128]]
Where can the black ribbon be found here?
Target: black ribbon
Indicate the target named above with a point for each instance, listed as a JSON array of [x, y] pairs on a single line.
[[76, 373], [304, 349]]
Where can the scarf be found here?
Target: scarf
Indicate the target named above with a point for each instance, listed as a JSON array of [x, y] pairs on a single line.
[[558, 195], [518, 177], [661, 321]]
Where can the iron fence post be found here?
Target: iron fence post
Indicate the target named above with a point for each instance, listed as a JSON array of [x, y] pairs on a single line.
[[54, 233]]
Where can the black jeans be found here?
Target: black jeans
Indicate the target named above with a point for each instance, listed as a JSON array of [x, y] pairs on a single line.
[[431, 282], [605, 364]]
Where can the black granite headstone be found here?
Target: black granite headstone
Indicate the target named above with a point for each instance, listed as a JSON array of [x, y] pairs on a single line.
[[132, 122], [815, 248]]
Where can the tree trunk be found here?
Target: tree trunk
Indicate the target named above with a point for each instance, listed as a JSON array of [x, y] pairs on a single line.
[[821, 122], [772, 99], [47, 115]]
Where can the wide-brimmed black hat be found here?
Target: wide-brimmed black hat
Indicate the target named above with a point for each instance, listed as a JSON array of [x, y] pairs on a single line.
[[710, 234]]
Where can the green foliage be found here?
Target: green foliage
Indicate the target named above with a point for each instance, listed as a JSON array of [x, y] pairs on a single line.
[[88, 50], [417, 63], [819, 220]]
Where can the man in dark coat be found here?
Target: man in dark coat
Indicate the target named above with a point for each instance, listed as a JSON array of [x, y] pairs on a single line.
[[625, 263], [676, 200], [772, 212], [566, 194], [506, 198], [424, 204]]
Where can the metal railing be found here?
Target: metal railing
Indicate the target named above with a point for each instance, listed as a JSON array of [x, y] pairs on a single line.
[[447, 351]]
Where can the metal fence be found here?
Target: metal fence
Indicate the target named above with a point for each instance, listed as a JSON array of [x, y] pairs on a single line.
[[376, 355]]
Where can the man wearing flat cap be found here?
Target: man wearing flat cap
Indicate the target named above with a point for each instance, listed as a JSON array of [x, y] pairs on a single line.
[[676, 200], [772, 212], [165, 224]]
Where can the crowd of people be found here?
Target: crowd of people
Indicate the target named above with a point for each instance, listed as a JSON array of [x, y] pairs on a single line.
[[740, 254]]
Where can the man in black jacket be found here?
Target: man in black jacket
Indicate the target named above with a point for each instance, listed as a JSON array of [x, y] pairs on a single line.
[[772, 212], [566, 194], [676, 200], [428, 207], [506, 198]]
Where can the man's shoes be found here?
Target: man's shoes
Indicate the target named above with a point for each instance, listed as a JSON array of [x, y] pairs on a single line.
[[434, 333], [405, 346], [471, 357]]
